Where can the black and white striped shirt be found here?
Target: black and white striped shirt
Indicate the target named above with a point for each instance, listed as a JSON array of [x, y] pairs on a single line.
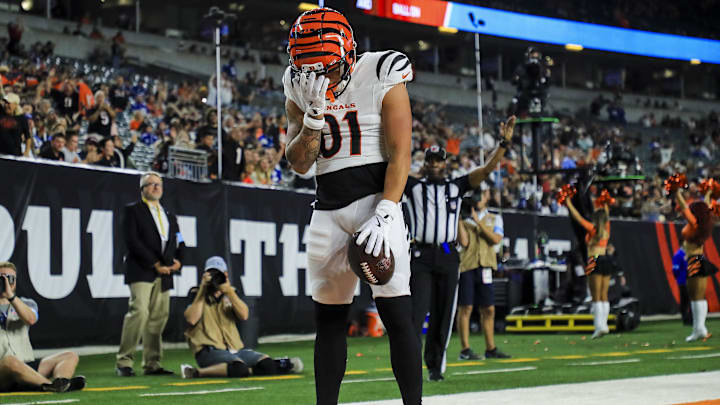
[[434, 208]]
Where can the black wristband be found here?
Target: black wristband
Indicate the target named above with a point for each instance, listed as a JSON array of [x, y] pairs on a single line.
[[12, 298], [504, 144]]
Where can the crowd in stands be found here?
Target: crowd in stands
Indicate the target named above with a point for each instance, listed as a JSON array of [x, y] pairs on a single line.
[[682, 18], [68, 111]]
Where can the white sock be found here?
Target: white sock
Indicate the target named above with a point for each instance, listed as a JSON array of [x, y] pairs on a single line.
[[702, 314], [597, 314], [606, 313], [695, 309]]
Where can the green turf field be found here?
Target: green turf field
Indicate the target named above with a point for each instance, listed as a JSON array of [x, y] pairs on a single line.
[[655, 348]]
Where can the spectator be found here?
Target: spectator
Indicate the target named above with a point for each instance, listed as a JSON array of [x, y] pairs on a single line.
[[71, 151], [54, 150], [119, 94], [139, 105], [67, 101], [90, 155], [101, 117], [263, 172], [213, 336], [12, 126], [207, 143], [107, 153], [15, 32], [19, 369]]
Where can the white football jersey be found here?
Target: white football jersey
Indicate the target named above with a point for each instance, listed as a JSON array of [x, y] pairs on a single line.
[[353, 134]]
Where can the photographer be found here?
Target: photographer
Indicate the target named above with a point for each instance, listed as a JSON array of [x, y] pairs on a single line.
[[19, 369], [213, 335], [482, 230], [532, 80]]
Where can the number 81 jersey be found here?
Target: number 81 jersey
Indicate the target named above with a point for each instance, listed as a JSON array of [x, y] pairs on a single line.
[[353, 134]]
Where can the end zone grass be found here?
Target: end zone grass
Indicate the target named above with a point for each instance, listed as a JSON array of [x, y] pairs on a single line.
[[655, 348]]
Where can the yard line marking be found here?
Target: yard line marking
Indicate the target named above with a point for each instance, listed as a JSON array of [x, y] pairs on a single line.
[[273, 378], [694, 356], [497, 370], [169, 394], [61, 401], [653, 351], [466, 364], [526, 360], [599, 363], [183, 384], [693, 349], [568, 357], [355, 372], [368, 380], [612, 354], [22, 393], [129, 387]]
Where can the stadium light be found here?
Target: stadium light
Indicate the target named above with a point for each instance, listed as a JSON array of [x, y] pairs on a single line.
[[574, 47], [26, 5], [448, 30], [695, 61], [307, 6]]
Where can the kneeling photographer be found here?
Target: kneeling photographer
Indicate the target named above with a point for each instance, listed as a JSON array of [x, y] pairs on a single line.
[[213, 335]]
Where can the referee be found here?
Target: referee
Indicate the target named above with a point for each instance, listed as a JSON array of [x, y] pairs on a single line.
[[433, 202]]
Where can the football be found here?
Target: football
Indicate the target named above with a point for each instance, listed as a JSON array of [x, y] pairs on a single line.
[[370, 269]]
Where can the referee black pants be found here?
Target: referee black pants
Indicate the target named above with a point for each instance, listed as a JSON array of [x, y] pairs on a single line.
[[433, 284]]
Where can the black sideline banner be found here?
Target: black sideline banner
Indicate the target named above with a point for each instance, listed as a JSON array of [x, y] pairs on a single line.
[[60, 225]]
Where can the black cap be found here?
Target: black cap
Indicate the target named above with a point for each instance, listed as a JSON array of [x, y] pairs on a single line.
[[436, 152]]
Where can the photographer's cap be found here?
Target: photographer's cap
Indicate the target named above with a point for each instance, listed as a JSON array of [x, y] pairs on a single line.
[[215, 262], [435, 151]]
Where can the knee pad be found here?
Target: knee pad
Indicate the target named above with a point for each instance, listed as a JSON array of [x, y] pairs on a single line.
[[265, 366], [237, 369]]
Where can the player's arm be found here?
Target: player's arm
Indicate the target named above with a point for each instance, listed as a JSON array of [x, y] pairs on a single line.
[[397, 127], [303, 143], [577, 217], [478, 175]]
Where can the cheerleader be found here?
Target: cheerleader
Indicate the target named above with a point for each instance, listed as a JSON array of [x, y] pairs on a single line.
[[699, 226], [599, 268]]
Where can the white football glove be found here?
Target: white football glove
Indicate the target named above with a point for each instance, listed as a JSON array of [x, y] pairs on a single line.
[[313, 89], [377, 229]]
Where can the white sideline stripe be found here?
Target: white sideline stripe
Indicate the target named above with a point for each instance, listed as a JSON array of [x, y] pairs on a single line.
[[599, 363], [167, 394], [61, 401], [498, 370], [694, 356], [658, 390], [368, 380]]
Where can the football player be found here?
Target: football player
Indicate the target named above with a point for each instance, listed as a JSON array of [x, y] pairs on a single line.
[[350, 115]]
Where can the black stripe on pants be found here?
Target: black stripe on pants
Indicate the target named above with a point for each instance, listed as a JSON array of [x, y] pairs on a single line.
[[433, 285]]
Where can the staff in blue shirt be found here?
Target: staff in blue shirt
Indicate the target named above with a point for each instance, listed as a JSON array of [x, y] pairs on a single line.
[[679, 269]]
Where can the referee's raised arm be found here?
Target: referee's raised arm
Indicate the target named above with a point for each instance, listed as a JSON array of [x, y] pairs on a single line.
[[478, 175]]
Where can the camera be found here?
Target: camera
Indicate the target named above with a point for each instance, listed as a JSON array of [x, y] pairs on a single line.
[[2, 283], [216, 280], [532, 81]]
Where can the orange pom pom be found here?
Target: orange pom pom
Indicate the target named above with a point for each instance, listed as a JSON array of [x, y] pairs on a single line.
[[566, 192], [710, 185], [675, 182], [604, 198]]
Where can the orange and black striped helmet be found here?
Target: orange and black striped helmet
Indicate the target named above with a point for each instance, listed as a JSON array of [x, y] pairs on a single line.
[[321, 40]]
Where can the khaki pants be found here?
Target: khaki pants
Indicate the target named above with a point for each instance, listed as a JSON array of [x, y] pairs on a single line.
[[148, 312]]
